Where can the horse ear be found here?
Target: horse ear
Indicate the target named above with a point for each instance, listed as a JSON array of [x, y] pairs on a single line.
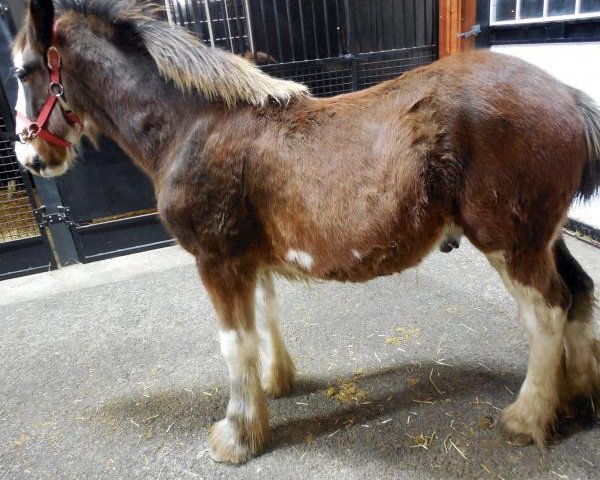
[[41, 14]]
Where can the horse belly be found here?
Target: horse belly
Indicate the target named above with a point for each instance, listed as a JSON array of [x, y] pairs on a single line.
[[361, 261]]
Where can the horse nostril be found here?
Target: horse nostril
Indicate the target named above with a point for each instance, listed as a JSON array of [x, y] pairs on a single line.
[[36, 164]]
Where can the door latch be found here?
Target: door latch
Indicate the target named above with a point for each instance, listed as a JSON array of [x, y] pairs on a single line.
[[475, 30]]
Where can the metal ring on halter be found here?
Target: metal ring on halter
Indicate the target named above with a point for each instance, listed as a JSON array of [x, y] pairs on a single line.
[[32, 131], [60, 89]]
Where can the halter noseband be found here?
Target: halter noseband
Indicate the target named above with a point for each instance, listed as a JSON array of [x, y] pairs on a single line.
[[56, 90]]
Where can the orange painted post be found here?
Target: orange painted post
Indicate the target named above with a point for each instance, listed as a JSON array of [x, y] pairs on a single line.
[[456, 16]]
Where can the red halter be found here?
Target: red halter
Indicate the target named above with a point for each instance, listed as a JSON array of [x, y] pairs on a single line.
[[56, 90]]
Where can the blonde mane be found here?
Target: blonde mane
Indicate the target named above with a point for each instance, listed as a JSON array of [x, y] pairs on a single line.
[[216, 74], [182, 58]]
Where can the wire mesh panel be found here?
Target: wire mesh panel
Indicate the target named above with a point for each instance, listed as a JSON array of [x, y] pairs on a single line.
[[324, 79], [17, 219], [380, 66], [220, 23], [332, 46], [296, 30]]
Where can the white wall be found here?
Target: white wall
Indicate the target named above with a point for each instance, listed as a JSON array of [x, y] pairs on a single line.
[[577, 64]]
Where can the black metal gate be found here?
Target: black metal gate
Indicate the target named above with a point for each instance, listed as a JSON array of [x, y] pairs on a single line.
[[332, 46], [104, 206], [24, 246], [112, 208]]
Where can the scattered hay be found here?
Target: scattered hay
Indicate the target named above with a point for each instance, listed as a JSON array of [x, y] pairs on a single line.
[[454, 310], [16, 215], [433, 384], [347, 392], [448, 441], [21, 441], [486, 422], [404, 334], [421, 440], [412, 382]]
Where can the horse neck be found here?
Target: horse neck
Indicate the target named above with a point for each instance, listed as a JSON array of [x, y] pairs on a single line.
[[126, 100]]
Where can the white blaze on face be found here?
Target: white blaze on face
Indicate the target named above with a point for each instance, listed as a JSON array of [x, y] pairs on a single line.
[[24, 152]]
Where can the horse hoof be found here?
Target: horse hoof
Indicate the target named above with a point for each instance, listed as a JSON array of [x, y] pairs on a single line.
[[522, 427], [225, 446], [281, 380]]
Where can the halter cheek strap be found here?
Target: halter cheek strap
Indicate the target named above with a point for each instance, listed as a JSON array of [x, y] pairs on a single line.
[[56, 91]]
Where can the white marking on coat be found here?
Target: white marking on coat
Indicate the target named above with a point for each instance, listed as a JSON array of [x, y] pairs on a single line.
[[24, 151], [300, 258], [357, 255], [545, 327]]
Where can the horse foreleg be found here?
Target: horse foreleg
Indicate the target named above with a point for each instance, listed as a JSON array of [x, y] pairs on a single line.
[[277, 368], [542, 311], [245, 429]]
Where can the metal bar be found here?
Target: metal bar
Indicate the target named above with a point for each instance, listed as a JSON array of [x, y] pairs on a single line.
[[120, 221], [379, 31], [326, 17], [249, 25], [191, 17], [289, 19], [349, 29], [63, 239], [354, 72], [301, 10], [277, 30], [238, 25], [168, 7], [128, 250], [518, 10], [199, 20], [577, 7], [264, 25], [180, 14], [415, 25], [314, 22], [225, 18], [338, 28], [545, 11], [393, 14], [209, 22]]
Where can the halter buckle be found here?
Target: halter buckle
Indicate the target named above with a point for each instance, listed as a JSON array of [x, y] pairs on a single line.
[[54, 61], [24, 137]]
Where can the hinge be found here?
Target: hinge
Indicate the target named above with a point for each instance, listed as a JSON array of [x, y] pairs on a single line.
[[60, 216], [475, 30]]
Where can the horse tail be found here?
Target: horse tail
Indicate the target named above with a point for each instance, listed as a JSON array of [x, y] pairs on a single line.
[[590, 113]]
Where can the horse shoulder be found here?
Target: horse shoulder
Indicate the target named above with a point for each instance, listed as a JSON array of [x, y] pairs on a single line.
[[202, 199]]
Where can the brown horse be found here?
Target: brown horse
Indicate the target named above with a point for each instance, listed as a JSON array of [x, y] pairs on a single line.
[[255, 177]]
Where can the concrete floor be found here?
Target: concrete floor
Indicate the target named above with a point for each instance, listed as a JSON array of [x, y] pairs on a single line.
[[112, 370]]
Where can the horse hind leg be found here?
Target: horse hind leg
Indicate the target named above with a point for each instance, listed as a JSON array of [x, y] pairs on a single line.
[[582, 346], [277, 368], [543, 301]]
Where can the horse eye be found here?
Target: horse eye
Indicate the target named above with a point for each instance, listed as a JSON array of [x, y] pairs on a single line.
[[21, 74]]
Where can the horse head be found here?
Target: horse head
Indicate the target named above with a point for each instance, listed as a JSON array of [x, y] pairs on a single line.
[[46, 124]]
